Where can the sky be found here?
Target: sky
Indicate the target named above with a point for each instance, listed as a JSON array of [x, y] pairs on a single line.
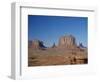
[[50, 28]]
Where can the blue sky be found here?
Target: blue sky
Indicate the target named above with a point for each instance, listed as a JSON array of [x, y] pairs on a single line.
[[50, 28]]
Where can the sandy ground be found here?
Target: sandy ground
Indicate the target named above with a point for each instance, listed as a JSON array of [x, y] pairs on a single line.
[[56, 56]]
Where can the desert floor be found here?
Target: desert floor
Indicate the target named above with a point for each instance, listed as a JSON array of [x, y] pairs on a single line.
[[55, 56]]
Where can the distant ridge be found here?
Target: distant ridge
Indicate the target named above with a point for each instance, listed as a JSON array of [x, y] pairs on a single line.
[[68, 41]]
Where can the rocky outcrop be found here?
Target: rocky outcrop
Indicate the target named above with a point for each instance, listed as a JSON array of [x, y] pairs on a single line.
[[54, 45], [66, 52], [67, 41], [81, 46], [36, 44]]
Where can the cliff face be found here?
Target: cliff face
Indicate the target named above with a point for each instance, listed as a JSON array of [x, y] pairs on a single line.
[[67, 42], [65, 53], [36, 44]]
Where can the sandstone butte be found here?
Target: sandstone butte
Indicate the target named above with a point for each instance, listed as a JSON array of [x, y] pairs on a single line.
[[67, 52]]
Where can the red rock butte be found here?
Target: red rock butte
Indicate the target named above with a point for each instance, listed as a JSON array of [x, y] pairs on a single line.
[[66, 52]]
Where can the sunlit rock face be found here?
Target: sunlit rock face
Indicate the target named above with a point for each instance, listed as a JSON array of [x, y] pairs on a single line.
[[36, 44], [65, 52], [67, 41]]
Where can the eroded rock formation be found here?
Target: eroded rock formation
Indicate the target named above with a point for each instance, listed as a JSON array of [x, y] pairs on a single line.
[[66, 52], [67, 41], [36, 44]]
